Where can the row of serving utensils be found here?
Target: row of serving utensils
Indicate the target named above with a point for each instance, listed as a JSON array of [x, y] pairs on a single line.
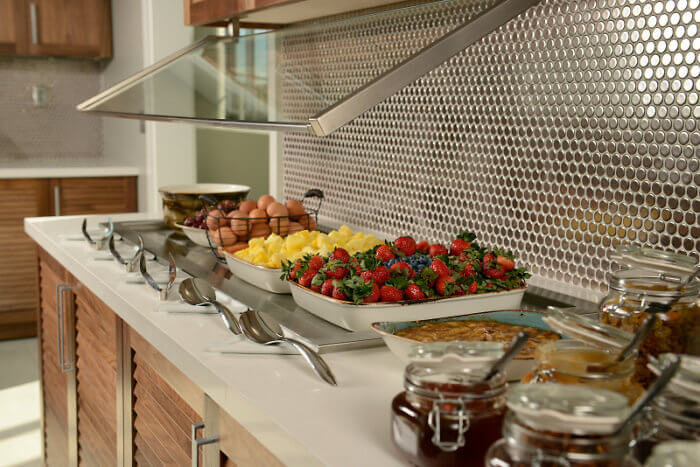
[[255, 326]]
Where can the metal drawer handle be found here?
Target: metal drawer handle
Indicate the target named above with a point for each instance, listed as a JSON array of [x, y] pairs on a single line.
[[197, 442], [56, 200], [33, 23], [66, 367]]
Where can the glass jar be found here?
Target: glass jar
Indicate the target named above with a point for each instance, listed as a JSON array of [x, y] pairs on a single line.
[[675, 413], [447, 415], [675, 454], [653, 276], [562, 425], [575, 362]]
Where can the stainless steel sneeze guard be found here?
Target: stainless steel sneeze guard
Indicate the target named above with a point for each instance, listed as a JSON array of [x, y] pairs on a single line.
[[235, 82], [199, 262]]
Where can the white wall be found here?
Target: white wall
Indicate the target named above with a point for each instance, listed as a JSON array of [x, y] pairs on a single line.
[[145, 31]]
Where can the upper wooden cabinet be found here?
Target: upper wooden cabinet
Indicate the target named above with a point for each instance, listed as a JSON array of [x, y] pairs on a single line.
[[259, 13], [69, 28]]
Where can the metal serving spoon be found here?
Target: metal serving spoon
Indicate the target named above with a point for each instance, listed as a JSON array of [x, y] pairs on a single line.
[[197, 291], [101, 242], [256, 330], [513, 348], [664, 377]]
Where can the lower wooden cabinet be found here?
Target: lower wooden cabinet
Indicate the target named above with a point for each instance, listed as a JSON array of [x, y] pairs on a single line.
[[20, 198], [111, 399]]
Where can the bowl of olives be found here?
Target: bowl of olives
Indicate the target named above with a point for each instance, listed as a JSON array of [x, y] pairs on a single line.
[[182, 201]]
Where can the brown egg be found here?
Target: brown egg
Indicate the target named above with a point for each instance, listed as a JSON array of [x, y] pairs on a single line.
[[247, 206], [216, 219], [260, 230], [295, 209], [223, 237], [277, 210], [239, 223], [295, 227], [280, 225], [308, 222], [264, 201], [257, 216], [236, 247]]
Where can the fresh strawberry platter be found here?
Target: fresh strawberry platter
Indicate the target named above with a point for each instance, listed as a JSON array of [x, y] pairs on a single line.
[[404, 280]]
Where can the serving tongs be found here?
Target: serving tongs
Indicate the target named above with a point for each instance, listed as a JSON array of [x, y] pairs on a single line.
[[163, 293], [130, 265], [101, 242]]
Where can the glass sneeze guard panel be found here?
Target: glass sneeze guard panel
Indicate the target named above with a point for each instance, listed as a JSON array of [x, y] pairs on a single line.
[[241, 81]]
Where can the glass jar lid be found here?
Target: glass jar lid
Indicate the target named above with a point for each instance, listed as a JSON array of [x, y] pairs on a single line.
[[566, 408], [686, 381], [587, 330], [630, 257], [474, 354], [652, 284], [675, 454]]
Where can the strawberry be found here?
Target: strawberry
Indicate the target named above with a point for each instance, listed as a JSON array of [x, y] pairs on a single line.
[[445, 286], [402, 267], [414, 292], [390, 294], [423, 246], [468, 271], [488, 258], [316, 262], [316, 288], [295, 270], [327, 287], [494, 272], [437, 250], [307, 277], [439, 268], [384, 253], [406, 244], [459, 291], [339, 294], [341, 255], [458, 245], [367, 275], [473, 287], [374, 296], [507, 263], [381, 274], [337, 272]]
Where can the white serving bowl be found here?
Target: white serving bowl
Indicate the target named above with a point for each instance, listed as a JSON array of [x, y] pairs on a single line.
[[259, 276]]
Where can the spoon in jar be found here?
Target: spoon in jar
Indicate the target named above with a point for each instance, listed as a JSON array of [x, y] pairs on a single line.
[[654, 390], [196, 291], [513, 348]]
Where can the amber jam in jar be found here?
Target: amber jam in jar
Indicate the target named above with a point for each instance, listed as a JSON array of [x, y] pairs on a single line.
[[563, 425], [574, 362], [654, 276], [447, 415]]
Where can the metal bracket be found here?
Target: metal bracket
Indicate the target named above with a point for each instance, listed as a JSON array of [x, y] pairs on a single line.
[[197, 442]]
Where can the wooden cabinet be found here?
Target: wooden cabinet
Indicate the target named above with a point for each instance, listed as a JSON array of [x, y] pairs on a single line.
[[18, 274], [69, 28], [111, 399], [275, 13], [97, 195], [44, 197], [13, 27]]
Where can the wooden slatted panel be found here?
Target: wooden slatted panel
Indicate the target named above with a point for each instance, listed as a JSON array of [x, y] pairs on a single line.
[[99, 195], [96, 347], [54, 382], [162, 419], [18, 286]]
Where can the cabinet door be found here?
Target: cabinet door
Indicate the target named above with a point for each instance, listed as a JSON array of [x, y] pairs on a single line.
[[78, 28], [93, 195], [56, 322], [166, 404], [211, 11], [13, 33], [97, 344], [18, 284]]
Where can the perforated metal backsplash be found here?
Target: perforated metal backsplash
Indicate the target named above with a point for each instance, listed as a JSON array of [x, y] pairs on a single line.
[[571, 129]]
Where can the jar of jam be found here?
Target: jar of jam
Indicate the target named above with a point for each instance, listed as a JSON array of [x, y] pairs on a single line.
[[675, 413], [588, 358], [647, 276], [447, 414], [563, 425]]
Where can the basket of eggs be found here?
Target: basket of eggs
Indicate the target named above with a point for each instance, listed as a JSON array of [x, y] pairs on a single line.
[[230, 231]]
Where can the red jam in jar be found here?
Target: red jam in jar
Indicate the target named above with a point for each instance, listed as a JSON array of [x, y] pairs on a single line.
[[447, 416]]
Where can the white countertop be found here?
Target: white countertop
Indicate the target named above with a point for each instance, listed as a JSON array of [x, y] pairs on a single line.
[[65, 169], [278, 399]]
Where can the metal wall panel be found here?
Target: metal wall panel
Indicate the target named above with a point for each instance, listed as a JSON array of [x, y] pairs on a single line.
[[571, 129]]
